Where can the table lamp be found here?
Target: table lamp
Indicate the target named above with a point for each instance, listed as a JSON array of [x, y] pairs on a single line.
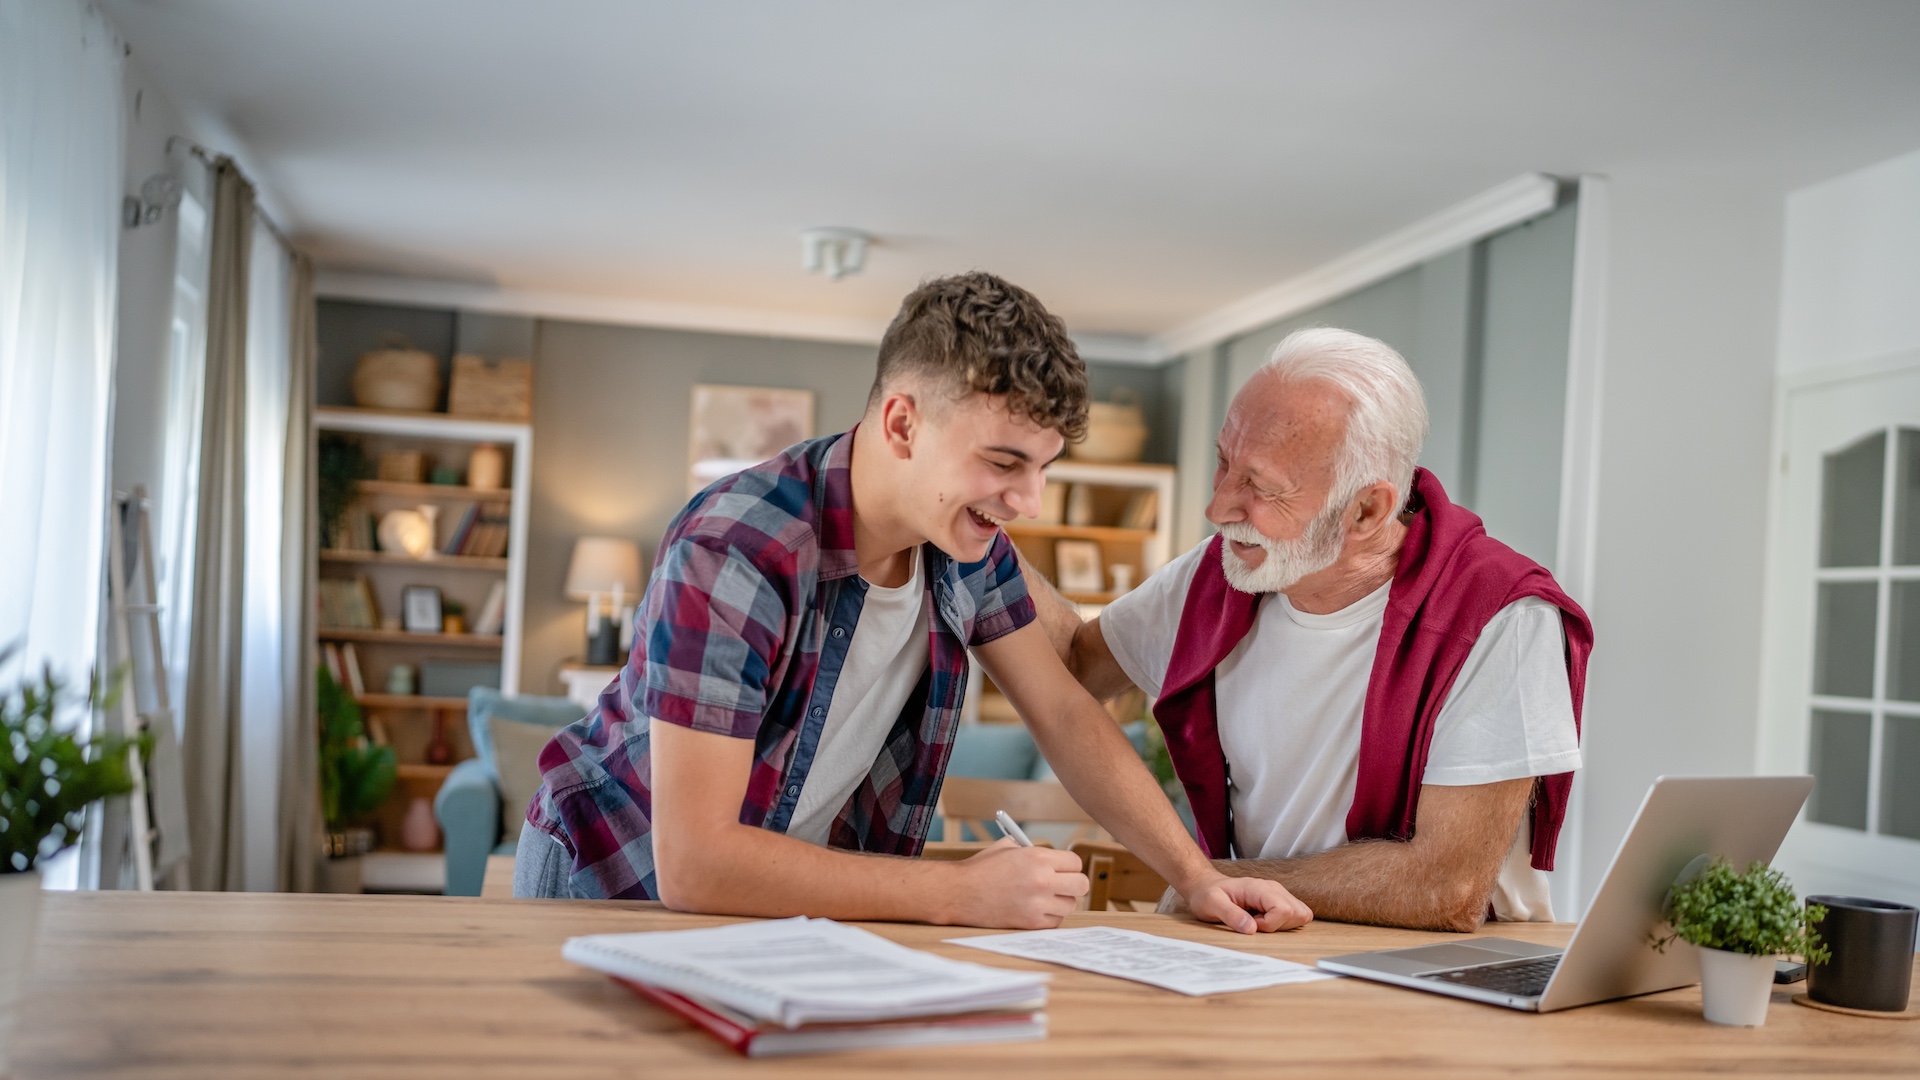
[[604, 565]]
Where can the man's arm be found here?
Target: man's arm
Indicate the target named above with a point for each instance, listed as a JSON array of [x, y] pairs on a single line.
[[1103, 774], [707, 861], [1079, 643], [1439, 880]]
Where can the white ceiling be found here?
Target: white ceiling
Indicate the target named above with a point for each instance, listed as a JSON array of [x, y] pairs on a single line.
[[1137, 165]]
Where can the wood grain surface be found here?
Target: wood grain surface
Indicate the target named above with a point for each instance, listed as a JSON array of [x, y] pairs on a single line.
[[253, 985]]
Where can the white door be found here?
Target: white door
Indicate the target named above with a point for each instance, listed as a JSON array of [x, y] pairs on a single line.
[[1841, 676]]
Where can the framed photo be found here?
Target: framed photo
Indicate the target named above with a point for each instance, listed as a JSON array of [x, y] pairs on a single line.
[[738, 427], [1077, 566], [420, 609]]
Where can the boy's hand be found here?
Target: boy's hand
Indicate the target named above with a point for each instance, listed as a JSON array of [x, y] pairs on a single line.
[[1010, 887], [1248, 905]]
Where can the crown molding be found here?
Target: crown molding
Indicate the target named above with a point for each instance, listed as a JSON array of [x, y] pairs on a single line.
[[586, 307], [1497, 208]]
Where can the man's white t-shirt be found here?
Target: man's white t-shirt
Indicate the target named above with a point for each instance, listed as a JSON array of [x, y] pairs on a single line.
[[1290, 698], [884, 661]]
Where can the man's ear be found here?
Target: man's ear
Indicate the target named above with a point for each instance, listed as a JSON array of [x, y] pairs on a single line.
[[1373, 508], [900, 422]]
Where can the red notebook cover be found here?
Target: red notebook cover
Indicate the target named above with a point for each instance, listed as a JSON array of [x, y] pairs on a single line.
[[752, 1040]]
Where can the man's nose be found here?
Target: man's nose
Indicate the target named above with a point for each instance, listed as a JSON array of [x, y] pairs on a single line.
[[1224, 508], [1024, 497]]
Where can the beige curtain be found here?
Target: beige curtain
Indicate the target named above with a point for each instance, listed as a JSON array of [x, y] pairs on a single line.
[[299, 744], [210, 708]]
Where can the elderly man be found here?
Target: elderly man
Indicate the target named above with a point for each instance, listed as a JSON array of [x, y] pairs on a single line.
[[1353, 659]]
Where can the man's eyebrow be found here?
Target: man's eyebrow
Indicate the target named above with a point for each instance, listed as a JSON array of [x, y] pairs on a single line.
[[1011, 451]]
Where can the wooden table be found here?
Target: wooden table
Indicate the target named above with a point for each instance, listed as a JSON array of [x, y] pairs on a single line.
[[238, 985]]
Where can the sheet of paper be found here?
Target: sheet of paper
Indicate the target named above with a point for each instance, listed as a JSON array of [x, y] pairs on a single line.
[[1185, 966], [803, 970]]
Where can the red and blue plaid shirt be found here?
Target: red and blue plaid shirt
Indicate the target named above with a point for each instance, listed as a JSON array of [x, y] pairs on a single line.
[[745, 626]]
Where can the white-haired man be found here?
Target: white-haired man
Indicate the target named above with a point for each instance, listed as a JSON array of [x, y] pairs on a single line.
[[1353, 659]]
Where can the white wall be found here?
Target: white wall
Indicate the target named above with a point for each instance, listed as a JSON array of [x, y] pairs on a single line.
[[1692, 282], [1850, 287]]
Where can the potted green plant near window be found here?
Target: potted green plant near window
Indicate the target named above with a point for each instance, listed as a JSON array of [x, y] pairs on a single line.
[[355, 776], [1742, 921], [48, 778]]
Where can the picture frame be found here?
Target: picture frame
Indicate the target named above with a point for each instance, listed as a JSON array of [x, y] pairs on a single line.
[[737, 427], [1077, 566], [420, 609]]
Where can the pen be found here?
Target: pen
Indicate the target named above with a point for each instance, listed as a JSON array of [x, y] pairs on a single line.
[[1011, 828]]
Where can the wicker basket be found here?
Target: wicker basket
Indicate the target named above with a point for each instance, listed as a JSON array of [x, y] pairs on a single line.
[[494, 389], [1116, 430]]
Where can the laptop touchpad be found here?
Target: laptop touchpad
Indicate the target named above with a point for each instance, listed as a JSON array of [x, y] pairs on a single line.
[[1451, 956]]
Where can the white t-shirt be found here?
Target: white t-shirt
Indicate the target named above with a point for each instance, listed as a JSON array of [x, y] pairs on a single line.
[[884, 661], [1291, 696]]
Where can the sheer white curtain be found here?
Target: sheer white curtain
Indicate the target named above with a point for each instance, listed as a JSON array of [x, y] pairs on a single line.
[[263, 704], [60, 164]]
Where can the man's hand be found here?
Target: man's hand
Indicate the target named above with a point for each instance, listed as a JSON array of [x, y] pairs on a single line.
[[1246, 905], [1010, 887]]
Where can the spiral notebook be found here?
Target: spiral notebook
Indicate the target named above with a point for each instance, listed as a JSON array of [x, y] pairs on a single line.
[[791, 972]]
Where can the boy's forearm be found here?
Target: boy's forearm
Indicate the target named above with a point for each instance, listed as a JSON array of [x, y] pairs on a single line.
[[744, 870]]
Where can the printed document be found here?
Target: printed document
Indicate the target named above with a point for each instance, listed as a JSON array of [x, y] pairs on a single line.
[[801, 970], [1185, 966]]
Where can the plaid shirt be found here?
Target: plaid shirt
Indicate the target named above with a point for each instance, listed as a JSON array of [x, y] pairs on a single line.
[[746, 624]]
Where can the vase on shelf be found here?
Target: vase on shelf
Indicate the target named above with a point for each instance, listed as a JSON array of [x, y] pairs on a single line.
[[418, 830], [439, 747]]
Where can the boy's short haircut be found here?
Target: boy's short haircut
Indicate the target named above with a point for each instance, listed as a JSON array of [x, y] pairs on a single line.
[[978, 333]]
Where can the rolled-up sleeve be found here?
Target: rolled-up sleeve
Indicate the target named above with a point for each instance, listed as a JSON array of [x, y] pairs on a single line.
[[714, 624]]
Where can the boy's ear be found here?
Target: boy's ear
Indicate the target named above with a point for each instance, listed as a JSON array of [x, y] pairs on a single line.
[[900, 422]]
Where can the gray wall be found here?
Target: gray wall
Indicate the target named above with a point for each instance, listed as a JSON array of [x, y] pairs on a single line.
[[1485, 329]]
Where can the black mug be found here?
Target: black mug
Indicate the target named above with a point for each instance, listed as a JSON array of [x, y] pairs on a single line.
[[1872, 945]]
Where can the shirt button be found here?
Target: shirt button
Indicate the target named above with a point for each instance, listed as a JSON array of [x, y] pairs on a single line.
[[839, 631], [819, 711], [793, 789]]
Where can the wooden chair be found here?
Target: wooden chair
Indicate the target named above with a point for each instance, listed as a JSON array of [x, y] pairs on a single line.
[[1121, 880], [971, 802]]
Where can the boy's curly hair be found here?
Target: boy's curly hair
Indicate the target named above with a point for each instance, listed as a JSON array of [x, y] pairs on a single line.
[[981, 334]]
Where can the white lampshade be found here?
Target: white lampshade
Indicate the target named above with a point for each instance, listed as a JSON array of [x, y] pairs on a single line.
[[601, 562]]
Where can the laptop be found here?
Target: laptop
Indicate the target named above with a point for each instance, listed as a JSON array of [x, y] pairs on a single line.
[[1683, 822]]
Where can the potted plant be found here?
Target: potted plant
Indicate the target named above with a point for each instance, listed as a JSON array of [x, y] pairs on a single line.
[[48, 778], [1742, 921], [355, 774]]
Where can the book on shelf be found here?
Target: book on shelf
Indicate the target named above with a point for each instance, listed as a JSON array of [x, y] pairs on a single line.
[[1142, 510], [493, 612], [330, 655], [350, 662], [346, 603], [798, 985], [457, 541]]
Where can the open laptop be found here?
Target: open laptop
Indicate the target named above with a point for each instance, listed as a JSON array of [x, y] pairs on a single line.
[[1683, 821]]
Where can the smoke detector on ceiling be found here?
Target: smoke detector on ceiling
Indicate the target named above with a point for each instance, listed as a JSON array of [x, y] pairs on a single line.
[[835, 252]]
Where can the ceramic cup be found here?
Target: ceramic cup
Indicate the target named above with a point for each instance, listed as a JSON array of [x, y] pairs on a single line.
[[1872, 944]]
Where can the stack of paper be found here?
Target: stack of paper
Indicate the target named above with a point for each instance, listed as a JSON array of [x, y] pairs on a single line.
[[797, 985], [1188, 967]]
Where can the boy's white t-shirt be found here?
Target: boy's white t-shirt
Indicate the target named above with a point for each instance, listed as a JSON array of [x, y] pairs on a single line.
[[1290, 698], [884, 661]]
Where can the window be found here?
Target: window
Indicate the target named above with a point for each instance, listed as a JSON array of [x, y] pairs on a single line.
[[1864, 716]]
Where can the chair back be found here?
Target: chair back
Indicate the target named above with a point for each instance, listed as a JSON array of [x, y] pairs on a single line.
[[970, 802], [1119, 879]]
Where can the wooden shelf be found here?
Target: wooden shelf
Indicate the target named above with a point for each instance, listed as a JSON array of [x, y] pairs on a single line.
[[422, 772], [409, 701], [401, 637], [1090, 597], [1077, 532], [434, 491], [444, 562]]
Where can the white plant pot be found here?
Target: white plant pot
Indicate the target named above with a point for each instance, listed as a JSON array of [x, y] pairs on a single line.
[[19, 926], [1735, 987]]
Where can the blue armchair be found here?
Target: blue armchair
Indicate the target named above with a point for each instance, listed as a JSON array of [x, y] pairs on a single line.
[[469, 804]]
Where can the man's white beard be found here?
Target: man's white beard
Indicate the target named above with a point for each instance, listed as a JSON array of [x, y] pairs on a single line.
[[1287, 561]]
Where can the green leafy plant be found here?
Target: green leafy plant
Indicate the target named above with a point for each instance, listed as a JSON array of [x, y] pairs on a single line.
[[339, 464], [48, 776], [355, 775], [1753, 912]]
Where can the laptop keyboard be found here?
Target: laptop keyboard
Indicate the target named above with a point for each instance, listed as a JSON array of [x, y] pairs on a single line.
[[1524, 978]]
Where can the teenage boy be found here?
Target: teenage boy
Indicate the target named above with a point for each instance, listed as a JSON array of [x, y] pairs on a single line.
[[800, 659]]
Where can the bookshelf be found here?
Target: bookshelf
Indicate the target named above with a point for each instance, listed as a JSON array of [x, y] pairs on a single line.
[[413, 723], [1111, 493]]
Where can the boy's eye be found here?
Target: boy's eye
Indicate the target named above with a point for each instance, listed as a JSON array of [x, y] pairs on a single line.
[[1003, 466]]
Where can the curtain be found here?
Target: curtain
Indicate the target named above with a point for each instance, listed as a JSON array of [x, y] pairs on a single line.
[[299, 811], [263, 707], [60, 164], [212, 738]]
